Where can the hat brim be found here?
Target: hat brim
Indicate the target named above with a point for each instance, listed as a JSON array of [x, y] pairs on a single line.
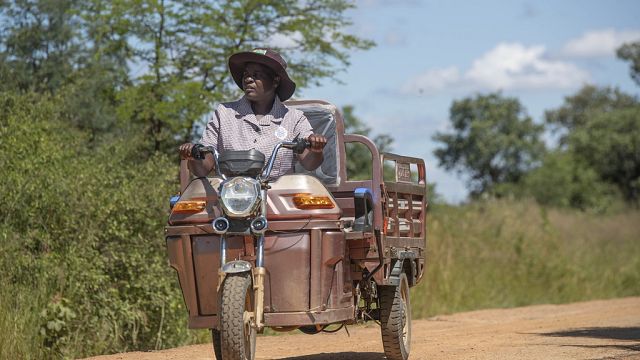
[[237, 64]]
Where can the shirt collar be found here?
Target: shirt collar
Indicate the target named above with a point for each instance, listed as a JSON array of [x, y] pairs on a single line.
[[274, 116]]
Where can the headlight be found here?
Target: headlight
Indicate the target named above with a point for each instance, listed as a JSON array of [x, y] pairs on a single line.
[[239, 196]]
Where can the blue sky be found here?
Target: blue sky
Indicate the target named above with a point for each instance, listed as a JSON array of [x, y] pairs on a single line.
[[430, 53]]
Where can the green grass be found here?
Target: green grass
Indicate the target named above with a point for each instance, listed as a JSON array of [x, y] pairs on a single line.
[[19, 324], [503, 254]]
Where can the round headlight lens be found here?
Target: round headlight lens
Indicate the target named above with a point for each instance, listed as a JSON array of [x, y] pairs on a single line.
[[239, 196]]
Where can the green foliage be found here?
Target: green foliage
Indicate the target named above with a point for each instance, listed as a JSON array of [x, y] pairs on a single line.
[[550, 256], [162, 63], [587, 102], [602, 135], [631, 53], [493, 141], [358, 155], [610, 143], [84, 206], [565, 180], [38, 44], [81, 234]]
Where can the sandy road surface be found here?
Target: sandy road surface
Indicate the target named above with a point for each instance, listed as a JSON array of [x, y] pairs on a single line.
[[589, 330]]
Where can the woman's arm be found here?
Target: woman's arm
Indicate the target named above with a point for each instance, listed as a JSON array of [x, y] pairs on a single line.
[[312, 157], [199, 168]]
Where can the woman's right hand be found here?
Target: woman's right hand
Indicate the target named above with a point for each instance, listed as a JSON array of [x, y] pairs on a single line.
[[185, 151]]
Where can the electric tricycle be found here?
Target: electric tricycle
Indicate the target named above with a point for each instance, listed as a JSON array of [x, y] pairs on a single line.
[[304, 251]]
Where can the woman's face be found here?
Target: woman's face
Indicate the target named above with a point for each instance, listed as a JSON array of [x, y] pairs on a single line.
[[259, 82]]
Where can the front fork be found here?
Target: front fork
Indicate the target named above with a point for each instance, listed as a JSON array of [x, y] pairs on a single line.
[[258, 273]]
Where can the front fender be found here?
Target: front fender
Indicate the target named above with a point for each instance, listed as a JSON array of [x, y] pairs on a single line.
[[236, 266]]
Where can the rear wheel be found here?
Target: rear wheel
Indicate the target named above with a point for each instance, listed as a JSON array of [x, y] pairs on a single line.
[[395, 319], [238, 337]]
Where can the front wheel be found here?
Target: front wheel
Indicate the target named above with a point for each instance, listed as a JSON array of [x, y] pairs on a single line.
[[395, 319], [215, 336], [238, 337]]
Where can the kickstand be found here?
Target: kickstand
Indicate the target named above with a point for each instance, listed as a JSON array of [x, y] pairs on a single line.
[[347, 330]]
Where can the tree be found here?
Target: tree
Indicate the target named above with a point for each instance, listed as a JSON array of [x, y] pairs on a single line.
[[601, 131], [565, 180], [162, 64], [185, 46], [631, 52], [493, 141], [38, 44], [610, 143], [578, 108], [358, 156]]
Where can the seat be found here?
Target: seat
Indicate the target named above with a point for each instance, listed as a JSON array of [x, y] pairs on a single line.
[[323, 122]]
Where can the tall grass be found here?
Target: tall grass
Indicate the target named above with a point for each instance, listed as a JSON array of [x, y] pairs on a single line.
[[503, 254], [19, 324]]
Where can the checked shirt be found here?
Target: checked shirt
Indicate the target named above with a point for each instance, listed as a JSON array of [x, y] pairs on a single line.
[[234, 126]]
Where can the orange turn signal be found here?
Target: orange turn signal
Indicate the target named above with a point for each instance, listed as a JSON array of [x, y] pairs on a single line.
[[310, 202], [189, 206]]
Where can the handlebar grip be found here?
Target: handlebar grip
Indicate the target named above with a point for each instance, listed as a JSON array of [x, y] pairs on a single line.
[[198, 151], [301, 145]]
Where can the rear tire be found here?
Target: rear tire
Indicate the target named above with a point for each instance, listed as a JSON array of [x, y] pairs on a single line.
[[395, 319], [238, 337], [215, 336]]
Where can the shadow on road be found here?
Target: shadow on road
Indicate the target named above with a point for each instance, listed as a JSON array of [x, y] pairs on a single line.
[[613, 347], [615, 333], [340, 356]]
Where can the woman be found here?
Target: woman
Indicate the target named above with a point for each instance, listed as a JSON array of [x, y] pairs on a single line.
[[259, 120]]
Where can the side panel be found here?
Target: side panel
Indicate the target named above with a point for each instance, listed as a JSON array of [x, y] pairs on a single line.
[[206, 262], [314, 272], [179, 249], [287, 260], [335, 274]]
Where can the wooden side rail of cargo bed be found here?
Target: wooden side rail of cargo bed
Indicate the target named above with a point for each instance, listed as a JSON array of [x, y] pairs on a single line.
[[407, 201]]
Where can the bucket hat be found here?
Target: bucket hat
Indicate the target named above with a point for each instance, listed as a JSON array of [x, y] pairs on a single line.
[[267, 57]]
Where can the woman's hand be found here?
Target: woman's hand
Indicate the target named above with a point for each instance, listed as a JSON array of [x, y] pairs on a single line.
[[185, 151], [317, 142]]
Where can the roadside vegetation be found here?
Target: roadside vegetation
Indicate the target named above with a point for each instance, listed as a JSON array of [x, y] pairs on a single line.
[[95, 96], [506, 253]]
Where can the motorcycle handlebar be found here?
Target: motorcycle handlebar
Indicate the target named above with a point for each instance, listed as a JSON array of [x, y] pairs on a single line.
[[298, 145], [198, 151]]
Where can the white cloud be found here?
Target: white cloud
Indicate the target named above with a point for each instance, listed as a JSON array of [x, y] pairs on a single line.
[[515, 66], [507, 66], [598, 43], [284, 40]]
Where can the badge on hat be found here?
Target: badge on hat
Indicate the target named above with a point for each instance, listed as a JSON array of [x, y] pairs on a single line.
[[260, 51], [281, 133]]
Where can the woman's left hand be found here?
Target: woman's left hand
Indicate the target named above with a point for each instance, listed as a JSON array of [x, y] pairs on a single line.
[[317, 142]]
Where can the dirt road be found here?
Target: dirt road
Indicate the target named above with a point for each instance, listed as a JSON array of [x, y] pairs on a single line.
[[589, 330]]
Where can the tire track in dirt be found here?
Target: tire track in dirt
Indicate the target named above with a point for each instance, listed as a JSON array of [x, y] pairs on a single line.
[[606, 329]]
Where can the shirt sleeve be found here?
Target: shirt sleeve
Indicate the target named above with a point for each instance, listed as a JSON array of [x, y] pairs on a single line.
[[211, 133], [303, 128]]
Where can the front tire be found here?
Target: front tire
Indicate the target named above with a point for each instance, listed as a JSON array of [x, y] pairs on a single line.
[[395, 319], [215, 336], [238, 337]]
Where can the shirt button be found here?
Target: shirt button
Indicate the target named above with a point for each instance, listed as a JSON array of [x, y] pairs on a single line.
[[255, 140]]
